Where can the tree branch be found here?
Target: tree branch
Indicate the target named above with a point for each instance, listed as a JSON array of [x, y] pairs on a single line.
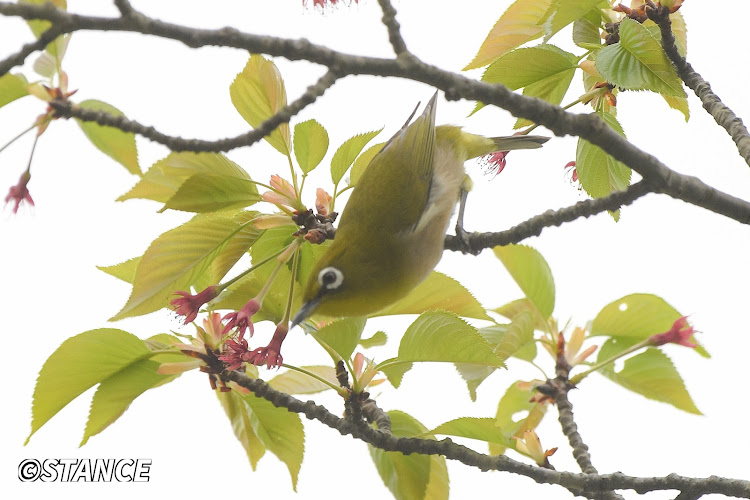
[[67, 109], [394, 29], [589, 127], [467, 456], [722, 114], [124, 7], [39, 44], [534, 225]]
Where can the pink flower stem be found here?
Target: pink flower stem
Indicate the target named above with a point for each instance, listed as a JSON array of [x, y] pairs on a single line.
[[288, 309], [244, 273], [18, 137]]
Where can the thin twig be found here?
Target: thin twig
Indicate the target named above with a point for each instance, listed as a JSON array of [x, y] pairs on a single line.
[[39, 44], [534, 225], [394, 29], [589, 127], [67, 109], [722, 114]]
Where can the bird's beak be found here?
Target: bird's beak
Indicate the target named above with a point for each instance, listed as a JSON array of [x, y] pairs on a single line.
[[305, 311]]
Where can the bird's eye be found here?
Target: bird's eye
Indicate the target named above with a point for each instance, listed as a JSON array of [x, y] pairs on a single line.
[[330, 278]]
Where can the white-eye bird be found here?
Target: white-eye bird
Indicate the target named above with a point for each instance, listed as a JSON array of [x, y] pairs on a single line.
[[392, 229]]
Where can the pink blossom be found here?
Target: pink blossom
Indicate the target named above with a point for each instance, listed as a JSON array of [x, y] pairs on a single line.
[[283, 194], [20, 192], [241, 319], [322, 202], [680, 333], [571, 167], [235, 353], [213, 330], [188, 305], [495, 162]]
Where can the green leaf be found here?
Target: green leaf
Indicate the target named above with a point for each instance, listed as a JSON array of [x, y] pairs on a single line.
[[680, 104], [124, 271], [438, 484], [679, 29], [599, 173], [258, 93], [164, 178], [650, 374], [473, 375], [310, 144], [12, 87], [563, 12], [377, 339], [175, 260], [637, 62], [118, 145], [409, 477], [544, 71], [39, 26], [506, 340], [518, 24], [520, 306], [532, 65], [520, 333], [637, 316], [342, 335], [513, 402], [78, 364], [586, 32], [483, 429], [363, 161], [348, 152], [235, 249], [395, 373], [532, 274], [45, 65], [209, 193], [239, 416], [280, 431], [294, 382], [115, 393], [438, 291], [442, 336]]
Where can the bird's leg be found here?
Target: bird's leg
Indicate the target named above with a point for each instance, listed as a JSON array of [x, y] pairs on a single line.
[[461, 233]]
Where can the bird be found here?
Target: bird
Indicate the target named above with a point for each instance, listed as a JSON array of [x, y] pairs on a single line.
[[391, 231]]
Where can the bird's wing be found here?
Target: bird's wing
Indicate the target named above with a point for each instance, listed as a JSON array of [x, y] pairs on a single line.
[[396, 184]]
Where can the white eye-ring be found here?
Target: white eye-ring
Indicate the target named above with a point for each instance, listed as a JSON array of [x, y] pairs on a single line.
[[330, 278]]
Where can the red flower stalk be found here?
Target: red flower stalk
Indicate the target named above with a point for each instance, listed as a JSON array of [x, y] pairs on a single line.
[[680, 333], [271, 355], [20, 192], [241, 319], [188, 305]]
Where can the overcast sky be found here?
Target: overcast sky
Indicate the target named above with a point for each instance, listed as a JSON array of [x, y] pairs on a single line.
[[51, 289]]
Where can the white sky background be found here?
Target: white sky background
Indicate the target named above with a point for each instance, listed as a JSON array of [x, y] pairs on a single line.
[[51, 289]]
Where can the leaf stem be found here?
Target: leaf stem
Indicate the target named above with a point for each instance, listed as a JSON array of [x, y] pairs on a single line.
[[597, 366], [342, 392]]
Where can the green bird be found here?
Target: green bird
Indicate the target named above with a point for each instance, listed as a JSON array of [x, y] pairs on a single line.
[[391, 232]]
